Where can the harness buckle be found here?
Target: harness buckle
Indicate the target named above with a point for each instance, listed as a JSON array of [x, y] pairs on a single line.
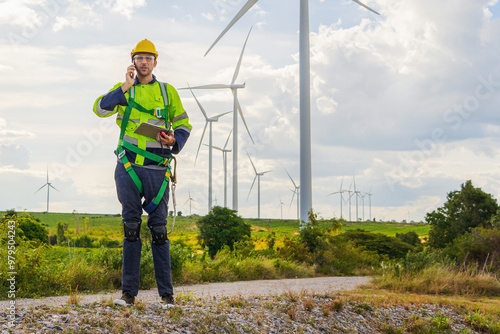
[[158, 113], [121, 154]]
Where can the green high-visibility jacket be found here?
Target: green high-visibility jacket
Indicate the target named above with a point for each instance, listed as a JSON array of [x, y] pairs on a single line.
[[160, 100]]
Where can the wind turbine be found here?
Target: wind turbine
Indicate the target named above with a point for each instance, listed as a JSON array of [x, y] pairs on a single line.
[[341, 196], [257, 176], [48, 185], [295, 191], [369, 194], [305, 98], [236, 107], [281, 206], [208, 120], [190, 199], [350, 195], [224, 161]]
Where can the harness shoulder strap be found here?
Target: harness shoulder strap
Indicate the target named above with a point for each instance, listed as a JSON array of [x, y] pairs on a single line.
[[148, 207]]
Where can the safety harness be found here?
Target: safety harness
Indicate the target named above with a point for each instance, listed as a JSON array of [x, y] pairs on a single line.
[[161, 161]]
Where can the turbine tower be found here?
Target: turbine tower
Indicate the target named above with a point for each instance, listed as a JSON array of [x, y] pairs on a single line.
[[369, 194], [236, 108], [357, 193], [305, 99], [281, 206], [224, 161], [208, 120], [48, 185], [257, 176]]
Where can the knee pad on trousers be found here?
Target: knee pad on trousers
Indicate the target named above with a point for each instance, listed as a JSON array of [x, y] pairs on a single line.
[[132, 231], [159, 234]]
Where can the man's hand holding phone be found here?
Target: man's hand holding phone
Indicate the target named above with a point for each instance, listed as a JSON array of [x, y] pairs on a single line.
[[129, 78], [166, 138]]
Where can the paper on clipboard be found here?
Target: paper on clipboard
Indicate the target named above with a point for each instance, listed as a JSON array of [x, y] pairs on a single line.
[[149, 130]]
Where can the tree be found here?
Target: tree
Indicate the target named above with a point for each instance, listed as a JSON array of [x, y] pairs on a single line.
[[32, 228], [61, 228], [409, 237], [464, 210], [222, 226]]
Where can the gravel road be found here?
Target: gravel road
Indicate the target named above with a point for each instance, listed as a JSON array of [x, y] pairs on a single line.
[[289, 306], [247, 288]]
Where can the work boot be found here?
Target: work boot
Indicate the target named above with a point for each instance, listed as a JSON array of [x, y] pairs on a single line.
[[126, 299], [167, 301]]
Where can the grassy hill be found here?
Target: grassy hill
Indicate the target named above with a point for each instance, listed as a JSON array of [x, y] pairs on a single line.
[[110, 226]]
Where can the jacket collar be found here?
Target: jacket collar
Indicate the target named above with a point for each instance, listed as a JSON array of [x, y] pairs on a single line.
[[137, 82]]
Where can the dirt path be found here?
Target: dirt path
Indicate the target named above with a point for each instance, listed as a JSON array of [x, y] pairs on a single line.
[[248, 288]]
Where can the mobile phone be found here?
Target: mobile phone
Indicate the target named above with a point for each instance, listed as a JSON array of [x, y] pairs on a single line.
[[133, 73]]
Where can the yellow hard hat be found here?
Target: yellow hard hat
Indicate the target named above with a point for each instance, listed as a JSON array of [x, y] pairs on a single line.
[[144, 46]]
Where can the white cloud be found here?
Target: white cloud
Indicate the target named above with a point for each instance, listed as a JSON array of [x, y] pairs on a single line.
[[20, 13], [128, 7], [8, 134]]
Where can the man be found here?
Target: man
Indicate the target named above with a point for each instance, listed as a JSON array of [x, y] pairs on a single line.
[[143, 168]]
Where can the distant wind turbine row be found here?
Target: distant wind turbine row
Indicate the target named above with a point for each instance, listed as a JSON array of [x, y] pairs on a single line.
[[357, 194]]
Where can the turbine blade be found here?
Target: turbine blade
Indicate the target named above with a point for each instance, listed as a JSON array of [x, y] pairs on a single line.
[[199, 145], [291, 178], [50, 185], [255, 170], [293, 196], [41, 188], [220, 115], [216, 147], [227, 140], [362, 4], [237, 70], [267, 171], [242, 12], [243, 119], [199, 105], [255, 178], [212, 86]]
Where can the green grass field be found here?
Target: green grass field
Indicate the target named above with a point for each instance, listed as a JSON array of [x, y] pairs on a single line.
[[110, 226]]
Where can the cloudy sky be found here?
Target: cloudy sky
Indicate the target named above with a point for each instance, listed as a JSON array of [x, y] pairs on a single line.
[[406, 103]]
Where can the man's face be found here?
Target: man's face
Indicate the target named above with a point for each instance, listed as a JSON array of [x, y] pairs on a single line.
[[144, 63]]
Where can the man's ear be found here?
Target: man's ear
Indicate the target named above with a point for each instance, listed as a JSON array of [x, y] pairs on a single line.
[[156, 62]]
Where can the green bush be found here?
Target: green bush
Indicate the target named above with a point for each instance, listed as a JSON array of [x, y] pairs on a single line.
[[32, 228], [391, 247], [410, 238], [480, 247], [221, 227]]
